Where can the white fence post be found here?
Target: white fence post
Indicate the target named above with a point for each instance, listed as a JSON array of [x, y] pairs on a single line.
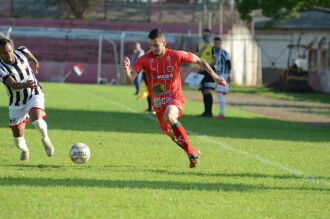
[[99, 60]]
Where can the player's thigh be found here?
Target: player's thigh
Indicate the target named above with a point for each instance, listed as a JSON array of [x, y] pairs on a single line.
[[206, 91], [222, 89], [17, 116], [165, 127], [36, 113], [36, 107]]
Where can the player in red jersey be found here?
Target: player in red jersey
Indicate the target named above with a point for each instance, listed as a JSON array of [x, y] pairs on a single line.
[[162, 68]]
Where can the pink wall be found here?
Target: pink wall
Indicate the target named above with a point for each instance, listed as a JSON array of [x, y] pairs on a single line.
[[55, 71], [106, 25]]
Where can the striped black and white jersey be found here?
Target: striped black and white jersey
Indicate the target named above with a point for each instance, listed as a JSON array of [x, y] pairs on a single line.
[[222, 61], [21, 72]]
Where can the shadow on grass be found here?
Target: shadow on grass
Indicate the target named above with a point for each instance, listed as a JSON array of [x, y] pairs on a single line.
[[28, 166], [143, 184], [233, 127], [248, 175]]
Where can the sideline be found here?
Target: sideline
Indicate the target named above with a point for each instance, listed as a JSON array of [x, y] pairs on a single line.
[[209, 140]]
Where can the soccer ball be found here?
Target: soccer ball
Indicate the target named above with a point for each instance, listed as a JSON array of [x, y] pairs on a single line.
[[79, 153]]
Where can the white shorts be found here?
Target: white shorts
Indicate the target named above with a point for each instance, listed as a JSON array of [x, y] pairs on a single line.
[[221, 88], [20, 114]]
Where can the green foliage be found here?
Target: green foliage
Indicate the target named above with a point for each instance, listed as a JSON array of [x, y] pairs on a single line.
[[279, 10], [77, 7]]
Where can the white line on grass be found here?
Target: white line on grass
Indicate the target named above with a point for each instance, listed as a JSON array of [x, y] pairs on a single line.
[[219, 143], [263, 160]]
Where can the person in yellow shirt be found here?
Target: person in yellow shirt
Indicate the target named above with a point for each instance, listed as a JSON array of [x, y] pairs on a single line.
[[205, 51]]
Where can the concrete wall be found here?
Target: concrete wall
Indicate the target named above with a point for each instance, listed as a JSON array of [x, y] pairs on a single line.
[[245, 56], [325, 81], [274, 43]]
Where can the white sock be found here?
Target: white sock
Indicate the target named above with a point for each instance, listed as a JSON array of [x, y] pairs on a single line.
[[222, 102], [20, 143], [41, 126]]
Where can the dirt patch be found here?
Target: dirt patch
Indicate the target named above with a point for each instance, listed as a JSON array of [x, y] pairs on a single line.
[[286, 109]]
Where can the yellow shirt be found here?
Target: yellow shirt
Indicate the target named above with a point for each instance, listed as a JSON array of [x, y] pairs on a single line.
[[207, 52]]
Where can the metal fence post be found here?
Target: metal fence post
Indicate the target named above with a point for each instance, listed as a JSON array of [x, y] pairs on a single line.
[[99, 60]]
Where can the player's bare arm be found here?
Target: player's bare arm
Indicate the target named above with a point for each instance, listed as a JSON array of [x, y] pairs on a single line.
[[130, 75], [205, 66], [34, 61], [11, 82]]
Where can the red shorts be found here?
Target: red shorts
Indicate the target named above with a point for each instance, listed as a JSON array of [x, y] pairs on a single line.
[[179, 103]]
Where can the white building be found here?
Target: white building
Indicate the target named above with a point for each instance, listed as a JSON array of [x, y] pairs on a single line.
[[311, 29]]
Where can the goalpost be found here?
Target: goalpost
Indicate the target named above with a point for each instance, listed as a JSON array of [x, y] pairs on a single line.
[[100, 78]]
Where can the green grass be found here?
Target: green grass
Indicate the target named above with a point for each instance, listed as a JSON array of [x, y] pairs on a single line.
[[261, 90], [137, 172]]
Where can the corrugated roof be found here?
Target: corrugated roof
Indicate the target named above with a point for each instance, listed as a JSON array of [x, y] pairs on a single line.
[[313, 19]]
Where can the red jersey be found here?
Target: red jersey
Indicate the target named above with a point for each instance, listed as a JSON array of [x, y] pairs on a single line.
[[163, 75]]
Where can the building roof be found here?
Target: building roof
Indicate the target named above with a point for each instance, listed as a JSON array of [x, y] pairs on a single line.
[[313, 19]]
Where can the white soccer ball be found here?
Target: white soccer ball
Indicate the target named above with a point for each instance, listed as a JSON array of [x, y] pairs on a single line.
[[79, 153]]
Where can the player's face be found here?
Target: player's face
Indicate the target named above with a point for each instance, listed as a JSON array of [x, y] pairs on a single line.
[[217, 44], [7, 54], [157, 46], [206, 36]]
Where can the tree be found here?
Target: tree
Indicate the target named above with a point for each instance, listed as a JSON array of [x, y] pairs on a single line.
[[77, 7], [278, 10]]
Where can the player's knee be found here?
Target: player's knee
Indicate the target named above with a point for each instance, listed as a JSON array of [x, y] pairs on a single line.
[[171, 115], [221, 97], [170, 118], [18, 132], [40, 124]]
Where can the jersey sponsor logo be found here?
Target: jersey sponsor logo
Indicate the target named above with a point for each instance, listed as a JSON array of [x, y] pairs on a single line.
[[159, 89], [170, 69], [168, 58], [158, 102], [164, 77]]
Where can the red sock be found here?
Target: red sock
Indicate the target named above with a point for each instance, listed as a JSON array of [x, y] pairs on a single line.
[[181, 135]]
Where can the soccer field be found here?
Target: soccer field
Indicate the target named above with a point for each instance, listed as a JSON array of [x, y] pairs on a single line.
[[252, 166]]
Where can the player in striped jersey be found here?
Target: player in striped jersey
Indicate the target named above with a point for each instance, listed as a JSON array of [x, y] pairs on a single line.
[[26, 99], [223, 67], [162, 68]]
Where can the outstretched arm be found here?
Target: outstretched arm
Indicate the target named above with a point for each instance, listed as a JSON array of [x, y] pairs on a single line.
[[130, 75], [205, 66], [33, 59]]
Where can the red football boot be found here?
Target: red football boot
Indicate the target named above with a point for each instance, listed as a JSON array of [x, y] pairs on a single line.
[[193, 156]]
